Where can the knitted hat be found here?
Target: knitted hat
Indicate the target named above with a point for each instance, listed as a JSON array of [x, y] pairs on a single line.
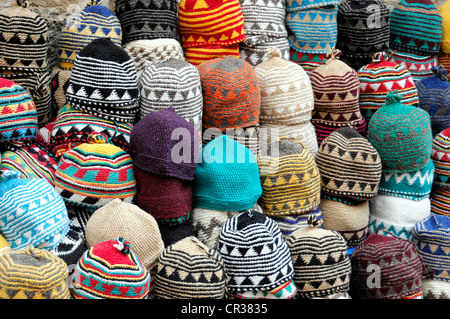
[[321, 264], [72, 246], [336, 89], [18, 113], [104, 82], [94, 173], [308, 61], [312, 25], [254, 52], [401, 269], [167, 199], [210, 22], [349, 165], [32, 212], [420, 67], [254, 253], [288, 290], [4, 245], [436, 289], [290, 223], [226, 177], [93, 22], [60, 78], [231, 94], [401, 134], [188, 269], [440, 156], [378, 78], [117, 219], [155, 145], [196, 55], [440, 199], [32, 274], [397, 215], [431, 234], [23, 39], [324, 130], [289, 178], [147, 19], [110, 270], [416, 27], [172, 83], [434, 96], [444, 10], [172, 233], [351, 221], [286, 92], [444, 60]]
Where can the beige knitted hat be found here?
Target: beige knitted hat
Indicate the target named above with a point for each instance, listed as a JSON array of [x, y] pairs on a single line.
[[120, 219]]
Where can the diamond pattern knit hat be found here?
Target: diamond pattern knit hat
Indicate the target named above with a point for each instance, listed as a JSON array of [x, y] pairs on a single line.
[[336, 88], [94, 21], [349, 166], [290, 178], [231, 94], [407, 35], [254, 253], [401, 134], [32, 273], [378, 78], [434, 96], [118, 218], [321, 263], [154, 142], [226, 177], [440, 155], [110, 270], [104, 82], [148, 19], [401, 268], [94, 173], [19, 119]]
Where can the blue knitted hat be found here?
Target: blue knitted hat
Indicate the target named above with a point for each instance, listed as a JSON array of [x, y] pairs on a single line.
[[226, 177]]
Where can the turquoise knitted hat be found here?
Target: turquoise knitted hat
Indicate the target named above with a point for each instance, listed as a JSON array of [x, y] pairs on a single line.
[[401, 134], [226, 177]]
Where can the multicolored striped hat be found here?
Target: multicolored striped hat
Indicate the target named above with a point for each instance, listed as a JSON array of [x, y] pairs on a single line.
[[419, 66], [19, 120], [324, 130], [94, 173], [196, 55], [440, 155], [308, 61], [255, 52], [110, 270], [440, 200]]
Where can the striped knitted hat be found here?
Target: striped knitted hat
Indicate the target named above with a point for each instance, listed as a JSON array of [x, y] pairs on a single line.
[[254, 253], [23, 39], [290, 178], [188, 269], [226, 177], [416, 27], [349, 166], [172, 83], [336, 88], [118, 218], [255, 53], [196, 55], [148, 19], [32, 274], [444, 60], [321, 264], [73, 127], [401, 268], [32, 212], [420, 67], [231, 94], [104, 82], [93, 22], [94, 173], [312, 25], [401, 134], [434, 96], [440, 155], [110, 270], [396, 215], [288, 290], [286, 92], [324, 130], [440, 200], [155, 141], [290, 223], [378, 78], [436, 289], [19, 119], [308, 61]]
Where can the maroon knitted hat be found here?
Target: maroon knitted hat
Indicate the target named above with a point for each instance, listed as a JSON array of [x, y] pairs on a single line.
[[165, 144]]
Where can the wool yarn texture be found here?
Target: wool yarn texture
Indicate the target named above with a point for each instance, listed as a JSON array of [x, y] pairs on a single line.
[[401, 134], [435, 289], [173, 233], [287, 290], [308, 61], [59, 79], [396, 215], [290, 178], [324, 130], [196, 55], [440, 200], [104, 82], [290, 223], [401, 268], [4, 245], [379, 77], [256, 53], [444, 10], [419, 66], [440, 155], [32, 273], [254, 252], [321, 263], [444, 60], [72, 246], [110, 270]]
